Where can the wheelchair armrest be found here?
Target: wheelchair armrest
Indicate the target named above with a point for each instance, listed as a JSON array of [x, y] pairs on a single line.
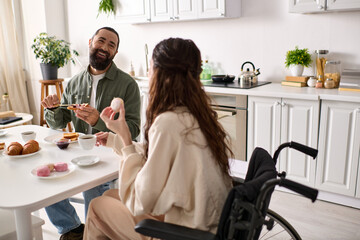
[[168, 231], [237, 181]]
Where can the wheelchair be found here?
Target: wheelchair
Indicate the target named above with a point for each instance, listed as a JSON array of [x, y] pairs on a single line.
[[245, 214]]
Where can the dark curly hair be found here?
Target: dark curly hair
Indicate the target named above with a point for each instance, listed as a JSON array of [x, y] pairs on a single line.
[[176, 82]]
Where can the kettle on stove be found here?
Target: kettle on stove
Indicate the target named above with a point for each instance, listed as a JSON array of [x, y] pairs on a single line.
[[248, 77]]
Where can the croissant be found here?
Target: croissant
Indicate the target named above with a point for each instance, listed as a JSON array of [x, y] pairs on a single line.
[[30, 146], [14, 148]]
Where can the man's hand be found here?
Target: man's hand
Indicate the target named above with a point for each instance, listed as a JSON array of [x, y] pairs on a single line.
[[88, 114], [50, 101]]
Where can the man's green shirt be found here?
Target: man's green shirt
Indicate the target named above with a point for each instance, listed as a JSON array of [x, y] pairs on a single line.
[[115, 83]]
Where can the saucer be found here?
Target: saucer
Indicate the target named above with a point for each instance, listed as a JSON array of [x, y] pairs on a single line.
[[84, 161]]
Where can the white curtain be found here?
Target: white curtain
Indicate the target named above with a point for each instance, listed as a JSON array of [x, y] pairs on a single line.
[[12, 78]]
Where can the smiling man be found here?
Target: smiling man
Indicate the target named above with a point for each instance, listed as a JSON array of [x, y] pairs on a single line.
[[97, 85]]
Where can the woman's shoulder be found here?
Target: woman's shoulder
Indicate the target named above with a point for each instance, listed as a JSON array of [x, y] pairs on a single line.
[[178, 118]]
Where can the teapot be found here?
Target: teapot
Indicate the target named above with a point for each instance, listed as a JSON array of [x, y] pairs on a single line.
[[248, 77]]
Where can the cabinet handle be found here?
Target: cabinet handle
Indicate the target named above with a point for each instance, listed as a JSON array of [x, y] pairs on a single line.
[[148, 19], [171, 18], [283, 104], [176, 18], [222, 14], [321, 7]]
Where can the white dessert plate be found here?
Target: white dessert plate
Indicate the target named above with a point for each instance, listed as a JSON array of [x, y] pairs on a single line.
[[84, 161], [21, 156], [2, 132], [51, 139], [54, 174]]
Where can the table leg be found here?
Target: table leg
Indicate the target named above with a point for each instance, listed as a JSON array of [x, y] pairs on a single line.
[[23, 224]]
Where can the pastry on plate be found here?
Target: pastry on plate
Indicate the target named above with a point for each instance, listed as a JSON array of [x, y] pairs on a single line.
[[77, 106], [30, 146], [2, 145], [14, 148], [73, 136]]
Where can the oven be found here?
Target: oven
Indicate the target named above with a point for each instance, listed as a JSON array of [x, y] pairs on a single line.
[[232, 114]]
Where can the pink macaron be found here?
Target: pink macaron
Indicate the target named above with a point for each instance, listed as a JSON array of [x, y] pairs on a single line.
[[61, 167], [43, 171]]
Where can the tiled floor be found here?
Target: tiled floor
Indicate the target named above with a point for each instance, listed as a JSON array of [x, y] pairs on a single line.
[[314, 221]]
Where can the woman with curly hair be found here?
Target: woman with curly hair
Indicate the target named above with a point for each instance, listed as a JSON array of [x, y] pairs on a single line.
[[180, 174]]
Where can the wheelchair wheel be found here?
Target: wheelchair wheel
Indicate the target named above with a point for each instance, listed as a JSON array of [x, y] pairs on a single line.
[[282, 229]]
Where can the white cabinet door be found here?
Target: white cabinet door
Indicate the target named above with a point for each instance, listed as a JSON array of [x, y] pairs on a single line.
[[302, 6], [162, 10], [343, 5], [133, 11], [299, 123], [339, 140], [264, 122], [219, 8], [273, 121], [185, 9]]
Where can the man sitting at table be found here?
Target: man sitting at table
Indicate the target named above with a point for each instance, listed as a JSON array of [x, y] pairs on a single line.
[[97, 86]]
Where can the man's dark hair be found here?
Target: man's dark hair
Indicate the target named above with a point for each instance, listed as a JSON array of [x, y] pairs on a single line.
[[111, 30]]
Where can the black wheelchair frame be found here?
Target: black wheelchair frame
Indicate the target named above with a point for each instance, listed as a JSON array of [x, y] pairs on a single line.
[[244, 219]]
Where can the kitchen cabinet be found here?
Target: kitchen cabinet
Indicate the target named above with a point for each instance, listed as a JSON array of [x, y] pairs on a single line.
[[133, 11], [339, 140], [145, 11], [173, 10], [219, 8], [320, 6], [272, 121]]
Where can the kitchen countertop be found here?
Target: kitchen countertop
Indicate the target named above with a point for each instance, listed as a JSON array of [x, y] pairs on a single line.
[[277, 90]]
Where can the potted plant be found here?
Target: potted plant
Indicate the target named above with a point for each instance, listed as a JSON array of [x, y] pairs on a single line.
[[297, 59], [53, 53], [106, 6]]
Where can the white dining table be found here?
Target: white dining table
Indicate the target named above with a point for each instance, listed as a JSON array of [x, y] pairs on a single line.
[[24, 192]]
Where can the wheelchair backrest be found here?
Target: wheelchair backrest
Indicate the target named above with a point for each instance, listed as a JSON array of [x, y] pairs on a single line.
[[239, 218]]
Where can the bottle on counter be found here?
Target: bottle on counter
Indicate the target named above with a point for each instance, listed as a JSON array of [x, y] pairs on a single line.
[[319, 84], [311, 82], [329, 83], [132, 71], [321, 58], [332, 70], [206, 72]]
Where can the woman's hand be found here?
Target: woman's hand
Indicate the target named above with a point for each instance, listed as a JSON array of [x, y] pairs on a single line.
[[119, 125], [101, 138]]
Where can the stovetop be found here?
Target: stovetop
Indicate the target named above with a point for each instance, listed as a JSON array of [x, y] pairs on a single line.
[[235, 84]]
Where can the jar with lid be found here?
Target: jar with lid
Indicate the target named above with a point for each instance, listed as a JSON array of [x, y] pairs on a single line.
[[321, 58], [332, 70], [319, 84], [329, 83]]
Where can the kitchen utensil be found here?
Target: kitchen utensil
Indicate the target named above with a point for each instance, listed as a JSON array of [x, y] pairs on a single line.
[[223, 78], [248, 77], [146, 58]]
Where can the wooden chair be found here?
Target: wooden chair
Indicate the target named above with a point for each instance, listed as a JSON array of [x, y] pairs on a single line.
[[45, 92]]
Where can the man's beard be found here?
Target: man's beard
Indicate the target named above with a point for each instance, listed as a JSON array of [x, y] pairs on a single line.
[[99, 63]]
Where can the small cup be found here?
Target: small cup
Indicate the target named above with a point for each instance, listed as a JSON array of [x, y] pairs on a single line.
[[28, 135], [87, 142], [62, 143]]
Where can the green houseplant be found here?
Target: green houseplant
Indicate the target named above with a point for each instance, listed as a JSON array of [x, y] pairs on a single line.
[[106, 6], [297, 59], [53, 53]]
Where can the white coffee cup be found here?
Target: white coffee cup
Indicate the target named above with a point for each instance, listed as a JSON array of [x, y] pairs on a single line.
[[28, 135], [87, 142]]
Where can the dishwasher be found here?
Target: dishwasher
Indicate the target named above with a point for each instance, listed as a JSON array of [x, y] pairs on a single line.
[[232, 115]]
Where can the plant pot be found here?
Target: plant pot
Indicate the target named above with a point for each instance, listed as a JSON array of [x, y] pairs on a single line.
[[296, 69], [49, 71]]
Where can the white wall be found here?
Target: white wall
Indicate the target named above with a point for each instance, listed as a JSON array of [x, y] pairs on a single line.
[[263, 35]]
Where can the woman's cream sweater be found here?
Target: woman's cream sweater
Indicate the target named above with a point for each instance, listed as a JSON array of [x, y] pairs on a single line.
[[180, 178]]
